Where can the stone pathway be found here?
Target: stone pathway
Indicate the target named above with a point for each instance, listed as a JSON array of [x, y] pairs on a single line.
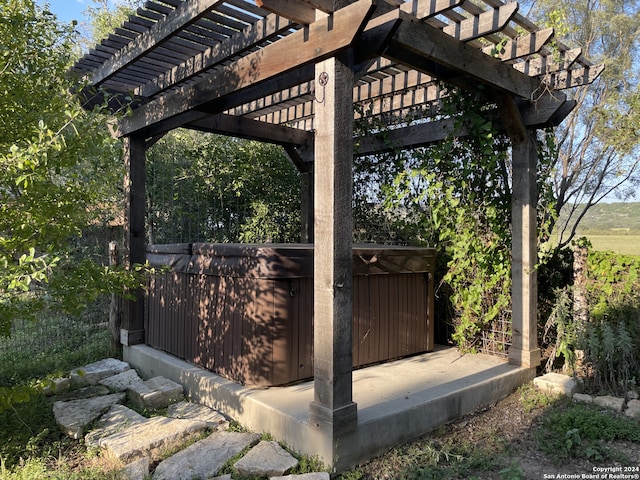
[[190, 442], [566, 385]]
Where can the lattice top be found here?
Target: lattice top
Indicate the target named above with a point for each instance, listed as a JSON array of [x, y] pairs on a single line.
[[185, 60]]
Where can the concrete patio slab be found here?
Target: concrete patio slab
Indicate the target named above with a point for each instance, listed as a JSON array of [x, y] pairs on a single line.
[[397, 401]]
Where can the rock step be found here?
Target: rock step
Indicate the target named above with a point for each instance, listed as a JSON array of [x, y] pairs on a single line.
[[74, 416], [266, 459], [205, 458], [115, 420], [151, 438], [155, 393], [139, 442], [94, 372]]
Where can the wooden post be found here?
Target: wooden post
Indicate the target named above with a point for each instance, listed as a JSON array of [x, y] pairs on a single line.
[[132, 332], [306, 202], [524, 349], [333, 410], [302, 158], [115, 307]]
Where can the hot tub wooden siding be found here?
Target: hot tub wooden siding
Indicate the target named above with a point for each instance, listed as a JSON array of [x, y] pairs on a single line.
[[246, 311]]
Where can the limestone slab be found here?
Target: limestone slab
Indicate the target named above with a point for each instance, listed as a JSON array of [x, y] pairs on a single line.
[[74, 416], [121, 381], [150, 438], [116, 419], [267, 459], [633, 409], [608, 401], [205, 458], [138, 469], [582, 398], [195, 411], [85, 392], [155, 393], [557, 383], [305, 476], [94, 372], [57, 386]]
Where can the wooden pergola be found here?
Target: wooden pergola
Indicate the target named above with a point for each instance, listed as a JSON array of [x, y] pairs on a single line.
[[290, 72]]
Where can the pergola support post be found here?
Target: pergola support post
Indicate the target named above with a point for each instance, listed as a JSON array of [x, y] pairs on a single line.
[[333, 411], [132, 332], [524, 349], [306, 201]]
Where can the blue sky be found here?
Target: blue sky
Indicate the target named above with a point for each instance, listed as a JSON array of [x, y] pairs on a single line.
[[67, 10]]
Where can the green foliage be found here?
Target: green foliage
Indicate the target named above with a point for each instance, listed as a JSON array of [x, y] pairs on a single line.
[[532, 398], [30, 440], [611, 337], [58, 171], [104, 19], [218, 189], [598, 147], [582, 431], [561, 331], [456, 195]]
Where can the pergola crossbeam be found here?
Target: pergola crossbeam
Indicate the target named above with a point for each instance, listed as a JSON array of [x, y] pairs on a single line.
[[430, 50], [323, 38], [185, 14]]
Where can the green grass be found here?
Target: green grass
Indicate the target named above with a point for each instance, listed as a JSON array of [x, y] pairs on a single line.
[[622, 244], [585, 431], [31, 444], [611, 227]]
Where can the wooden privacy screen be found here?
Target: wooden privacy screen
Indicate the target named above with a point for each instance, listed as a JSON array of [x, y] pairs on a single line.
[[246, 311]]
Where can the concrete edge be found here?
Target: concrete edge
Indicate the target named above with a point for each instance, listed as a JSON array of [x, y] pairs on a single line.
[[372, 437]]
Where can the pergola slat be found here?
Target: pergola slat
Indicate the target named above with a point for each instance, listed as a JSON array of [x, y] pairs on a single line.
[[323, 39], [252, 36], [443, 56], [186, 13]]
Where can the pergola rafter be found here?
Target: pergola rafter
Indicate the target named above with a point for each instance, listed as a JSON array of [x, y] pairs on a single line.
[[290, 72]]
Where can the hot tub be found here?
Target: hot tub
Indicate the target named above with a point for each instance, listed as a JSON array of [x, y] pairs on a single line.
[[246, 311]]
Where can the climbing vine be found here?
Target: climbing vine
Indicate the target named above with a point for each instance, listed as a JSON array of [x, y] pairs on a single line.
[[456, 195]]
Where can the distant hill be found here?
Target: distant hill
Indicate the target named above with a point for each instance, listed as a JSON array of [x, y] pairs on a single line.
[[610, 218]]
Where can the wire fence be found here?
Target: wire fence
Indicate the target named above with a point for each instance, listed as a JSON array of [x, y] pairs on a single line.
[[28, 352]]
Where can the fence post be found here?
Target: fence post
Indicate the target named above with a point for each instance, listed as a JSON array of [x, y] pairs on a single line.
[[115, 308], [580, 307]]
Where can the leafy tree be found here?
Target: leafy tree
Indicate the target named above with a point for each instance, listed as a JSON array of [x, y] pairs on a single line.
[[104, 16], [598, 153], [204, 187], [456, 196], [56, 168]]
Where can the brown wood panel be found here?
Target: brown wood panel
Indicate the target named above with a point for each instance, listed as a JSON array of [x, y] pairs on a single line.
[[259, 331]]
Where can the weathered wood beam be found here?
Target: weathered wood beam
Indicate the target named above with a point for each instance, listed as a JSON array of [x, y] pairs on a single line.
[[188, 12], [299, 12], [132, 332], [429, 8], [478, 26], [520, 47], [524, 350], [547, 64], [550, 110], [320, 40], [333, 411], [252, 130], [427, 49], [262, 30], [573, 78]]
